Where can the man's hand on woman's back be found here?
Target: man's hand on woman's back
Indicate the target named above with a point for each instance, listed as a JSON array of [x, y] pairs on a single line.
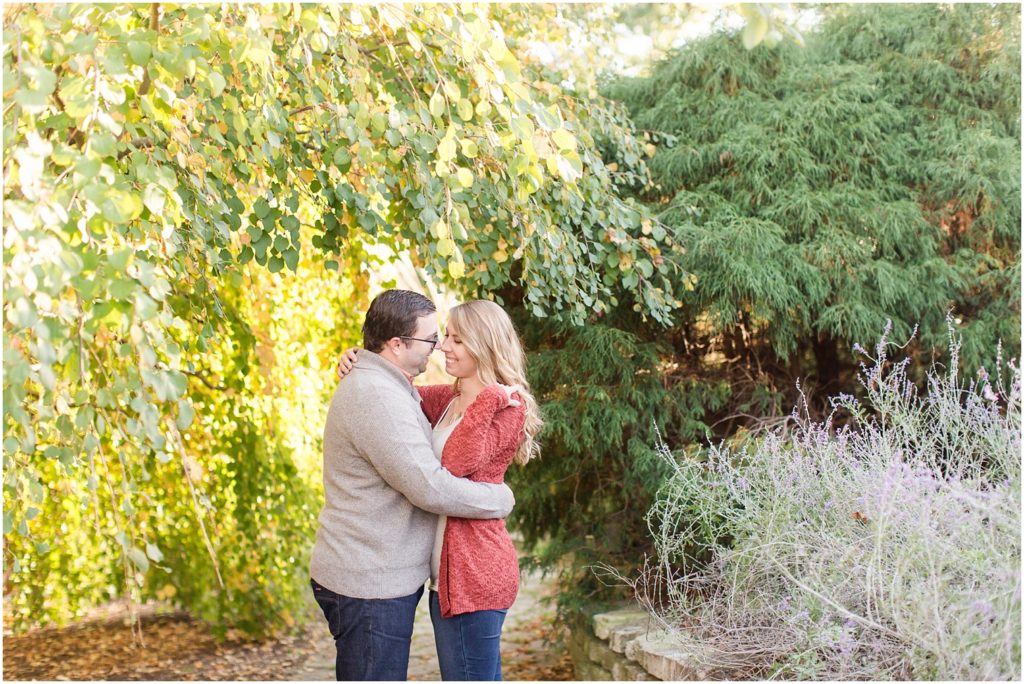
[[510, 392]]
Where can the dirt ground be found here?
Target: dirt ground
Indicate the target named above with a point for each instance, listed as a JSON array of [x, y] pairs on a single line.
[[179, 648]]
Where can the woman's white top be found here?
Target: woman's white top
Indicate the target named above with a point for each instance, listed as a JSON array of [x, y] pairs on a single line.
[[440, 438]]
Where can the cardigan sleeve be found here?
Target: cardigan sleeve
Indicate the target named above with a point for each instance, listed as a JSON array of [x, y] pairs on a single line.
[[389, 435], [435, 398], [489, 427]]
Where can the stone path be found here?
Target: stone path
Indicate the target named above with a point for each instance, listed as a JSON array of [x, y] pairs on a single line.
[[526, 653]]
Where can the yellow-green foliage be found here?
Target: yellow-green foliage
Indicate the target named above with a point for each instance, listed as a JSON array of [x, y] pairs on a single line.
[[154, 156]]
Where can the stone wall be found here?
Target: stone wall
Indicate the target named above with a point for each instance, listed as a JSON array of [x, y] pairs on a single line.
[[626, 645]]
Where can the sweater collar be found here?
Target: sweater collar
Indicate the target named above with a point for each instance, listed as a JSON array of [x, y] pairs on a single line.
[[367, 359]]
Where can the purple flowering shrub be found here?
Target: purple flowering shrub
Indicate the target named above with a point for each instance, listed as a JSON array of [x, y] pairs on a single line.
[[881, 543]]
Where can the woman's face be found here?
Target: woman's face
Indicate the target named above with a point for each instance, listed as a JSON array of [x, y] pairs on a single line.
[[457, 360]]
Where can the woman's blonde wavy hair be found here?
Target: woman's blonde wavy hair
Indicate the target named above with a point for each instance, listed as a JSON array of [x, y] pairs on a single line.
[[489, 336]]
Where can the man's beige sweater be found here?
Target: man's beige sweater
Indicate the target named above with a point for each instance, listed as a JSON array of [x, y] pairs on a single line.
[[384, 487]]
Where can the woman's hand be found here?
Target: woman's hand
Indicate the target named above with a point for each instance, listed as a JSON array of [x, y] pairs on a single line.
[[510, 390], [347, 361]]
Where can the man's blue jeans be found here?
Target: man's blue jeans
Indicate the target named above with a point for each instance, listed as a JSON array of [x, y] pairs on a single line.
[[468, 645], [372, 636]]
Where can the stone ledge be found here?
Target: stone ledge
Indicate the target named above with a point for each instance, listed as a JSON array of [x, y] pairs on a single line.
[[621, 637], [628, 671], [605, 623], [666, 657], [628, 647]]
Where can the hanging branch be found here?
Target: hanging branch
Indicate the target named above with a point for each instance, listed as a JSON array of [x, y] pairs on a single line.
[[154, 25], [195, 503]]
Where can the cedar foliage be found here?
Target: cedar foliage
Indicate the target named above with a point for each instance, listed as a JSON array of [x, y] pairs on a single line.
[[819, 192]]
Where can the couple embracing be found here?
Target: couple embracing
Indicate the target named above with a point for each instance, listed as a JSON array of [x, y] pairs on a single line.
[[414, 489]]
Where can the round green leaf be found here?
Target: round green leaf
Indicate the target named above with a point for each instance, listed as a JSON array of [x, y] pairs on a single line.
[[138, 558], [291, 259], [153, 198], [139, 51], [153, 551], [186, 414], [755, 31], [446, 150], [217, 83], [318, 41], [437, 104], [564, 139], [342, 159]]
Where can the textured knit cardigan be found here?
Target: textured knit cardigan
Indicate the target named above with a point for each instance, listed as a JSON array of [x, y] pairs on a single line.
[[479, 565]]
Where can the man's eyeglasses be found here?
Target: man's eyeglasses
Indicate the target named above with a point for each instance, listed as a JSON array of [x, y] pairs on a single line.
[[433, 342]]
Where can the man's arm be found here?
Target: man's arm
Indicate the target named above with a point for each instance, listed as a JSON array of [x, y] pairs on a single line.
[[392, 439]]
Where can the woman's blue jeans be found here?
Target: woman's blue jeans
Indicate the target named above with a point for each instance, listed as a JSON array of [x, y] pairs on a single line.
[[468, 645]]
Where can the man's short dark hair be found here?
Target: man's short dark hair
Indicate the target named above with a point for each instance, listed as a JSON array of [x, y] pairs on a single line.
[[393, 313]]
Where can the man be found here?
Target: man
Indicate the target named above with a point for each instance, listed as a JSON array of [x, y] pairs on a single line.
[[384, 489]]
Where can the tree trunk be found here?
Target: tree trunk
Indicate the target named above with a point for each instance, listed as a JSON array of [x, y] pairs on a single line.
[[826, 357]]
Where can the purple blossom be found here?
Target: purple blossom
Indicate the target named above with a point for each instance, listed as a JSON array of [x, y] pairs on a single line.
[[846, 643], [984, 609]]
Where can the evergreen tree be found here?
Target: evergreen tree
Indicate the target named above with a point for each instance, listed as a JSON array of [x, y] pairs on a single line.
[[816, 193], [819, 192]]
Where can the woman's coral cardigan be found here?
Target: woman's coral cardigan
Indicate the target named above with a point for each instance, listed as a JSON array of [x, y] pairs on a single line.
[[479, 565]]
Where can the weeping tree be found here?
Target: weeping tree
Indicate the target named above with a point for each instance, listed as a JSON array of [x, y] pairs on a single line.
[[192, 199], [814, 193]]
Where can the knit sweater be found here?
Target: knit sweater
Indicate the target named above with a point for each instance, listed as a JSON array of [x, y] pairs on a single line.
[[479, 565], [384, 487]]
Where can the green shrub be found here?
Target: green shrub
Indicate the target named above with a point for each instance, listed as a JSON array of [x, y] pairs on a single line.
[[813, 194], [873, 175], [603, 391]]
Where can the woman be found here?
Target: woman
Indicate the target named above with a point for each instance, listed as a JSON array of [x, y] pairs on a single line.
[[482, 422]]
